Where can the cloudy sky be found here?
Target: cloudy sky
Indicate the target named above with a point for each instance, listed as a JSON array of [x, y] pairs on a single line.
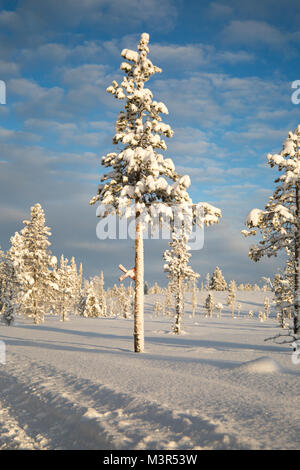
[[227, 75]]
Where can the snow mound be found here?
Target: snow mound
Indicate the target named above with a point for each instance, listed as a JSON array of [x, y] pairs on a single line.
[[262, 365]]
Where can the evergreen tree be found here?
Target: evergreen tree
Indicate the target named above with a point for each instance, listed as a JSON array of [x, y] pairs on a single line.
[[209, 305], [140, 176], [37, 262], [207, 281], [217, 281], [66, 296], [231, 297], [194, 297], [92, 308], [9, 289], [179, 271], [279, 222]]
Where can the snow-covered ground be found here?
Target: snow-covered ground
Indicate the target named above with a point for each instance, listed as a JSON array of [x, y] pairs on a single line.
[[79, 385]]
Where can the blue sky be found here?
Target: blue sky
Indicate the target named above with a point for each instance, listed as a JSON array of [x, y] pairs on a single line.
[[227, 74]]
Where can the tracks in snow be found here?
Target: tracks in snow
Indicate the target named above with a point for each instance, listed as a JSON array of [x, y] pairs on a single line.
[[44, 408]]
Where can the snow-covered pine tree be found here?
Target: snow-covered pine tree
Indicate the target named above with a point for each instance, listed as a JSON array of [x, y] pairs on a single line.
[[92, 308], [283, 288], [67, 293], [194, 297], [102, 296], [217, 280], [169, 302], [267, 306], [209, 305], [124, 302], [231, 296], [146, 288], [76, 280], [219, 308], [178, 269], [140, 176], [82, 304], [158, 308], [37, 262], [9, 289], [207, 281], [79, 287], [279, 222], [232, 286], [12, 271]]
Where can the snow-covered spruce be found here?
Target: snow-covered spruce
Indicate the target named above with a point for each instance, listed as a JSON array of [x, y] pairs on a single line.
[[283, 288], [194, 297], [67, 293], [279, 222], [217, 281], [209, 305], [92, 308], [231, 297], [30, 250], [141, 182], [179, 271], [9, 289]]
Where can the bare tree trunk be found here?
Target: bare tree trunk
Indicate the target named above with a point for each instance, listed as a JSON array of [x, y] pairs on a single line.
[[139, 288], [297, 265]]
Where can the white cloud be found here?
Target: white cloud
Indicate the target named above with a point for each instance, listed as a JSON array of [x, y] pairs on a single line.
[[216, 9], [251, 32]]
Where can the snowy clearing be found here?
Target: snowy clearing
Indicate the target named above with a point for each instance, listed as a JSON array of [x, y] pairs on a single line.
[[219, 385]]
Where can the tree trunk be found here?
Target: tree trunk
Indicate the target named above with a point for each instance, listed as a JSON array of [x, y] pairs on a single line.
[[178, 308], [139, 288], [297, 265]]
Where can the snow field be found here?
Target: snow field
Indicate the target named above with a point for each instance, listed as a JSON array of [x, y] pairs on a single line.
[[78, 385]]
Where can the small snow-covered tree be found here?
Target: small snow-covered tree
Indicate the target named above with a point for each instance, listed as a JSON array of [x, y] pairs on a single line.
[[267, 306], [209, 305], [283, 288], [67, 288], [140, 177], [9, 288], [232, 286], [82, 304], [124, 302], [155, 289], [207, 281], [219, 307], [92, 308], [146, 288], [158, 308], [37, 262], [179, 271], [169, 301], [194, 297], [98, 284], [218, 282], [231, 297]]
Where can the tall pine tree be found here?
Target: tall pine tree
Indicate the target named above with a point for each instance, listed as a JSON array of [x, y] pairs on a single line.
[[279, 222], [140, 176]]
